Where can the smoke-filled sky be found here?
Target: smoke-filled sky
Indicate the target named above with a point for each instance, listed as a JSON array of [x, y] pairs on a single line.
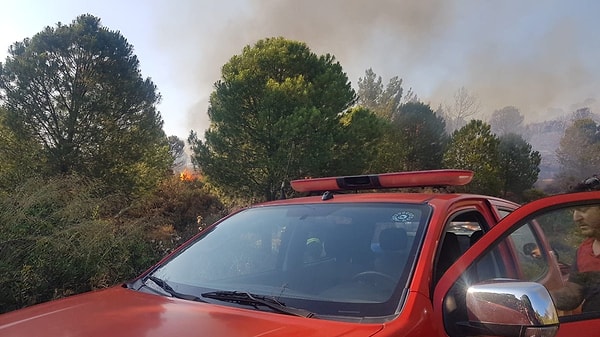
[[542, 57]]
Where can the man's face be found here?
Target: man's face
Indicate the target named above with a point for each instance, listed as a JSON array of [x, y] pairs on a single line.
[[588, 220]]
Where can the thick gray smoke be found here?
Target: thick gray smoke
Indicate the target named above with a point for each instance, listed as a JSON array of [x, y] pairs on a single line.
[[538, 56]]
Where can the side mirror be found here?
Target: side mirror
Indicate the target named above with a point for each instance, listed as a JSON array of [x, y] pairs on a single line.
[[503, 307]]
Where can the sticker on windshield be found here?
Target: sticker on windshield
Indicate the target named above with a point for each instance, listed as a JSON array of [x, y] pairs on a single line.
[[403, 216]]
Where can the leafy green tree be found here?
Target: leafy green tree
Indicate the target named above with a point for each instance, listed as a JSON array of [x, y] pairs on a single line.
[[474, 147], [77, 91], [421, 137], [519, 165], [579, 152], [275, 115], [387, 150], [507, 120], [361, 136]]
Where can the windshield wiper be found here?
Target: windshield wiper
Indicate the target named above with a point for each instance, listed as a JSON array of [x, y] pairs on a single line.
[[257, 300], [169, 290]]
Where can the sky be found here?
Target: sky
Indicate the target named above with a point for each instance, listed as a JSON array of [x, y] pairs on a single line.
[[543, 57]]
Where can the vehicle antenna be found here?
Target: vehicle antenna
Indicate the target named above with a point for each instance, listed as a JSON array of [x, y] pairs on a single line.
[[285, 173]]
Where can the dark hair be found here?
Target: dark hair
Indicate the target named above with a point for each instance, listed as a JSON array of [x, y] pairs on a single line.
[[590, 184], [529, 247]]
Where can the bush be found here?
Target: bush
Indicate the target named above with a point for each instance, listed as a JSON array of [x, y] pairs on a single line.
[[62, 236], [175, 211]]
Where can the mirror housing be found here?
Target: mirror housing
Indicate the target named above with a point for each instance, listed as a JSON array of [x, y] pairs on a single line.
[[502, 307]]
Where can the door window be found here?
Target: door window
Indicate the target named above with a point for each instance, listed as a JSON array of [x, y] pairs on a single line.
[[461, 232], [574, 237], [558, 248], [518, 256], [533, 263]]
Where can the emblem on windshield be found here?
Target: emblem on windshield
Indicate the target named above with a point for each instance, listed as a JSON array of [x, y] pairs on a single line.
[[403, 216]]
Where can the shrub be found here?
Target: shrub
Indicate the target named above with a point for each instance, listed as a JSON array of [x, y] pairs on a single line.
[[62, 235]]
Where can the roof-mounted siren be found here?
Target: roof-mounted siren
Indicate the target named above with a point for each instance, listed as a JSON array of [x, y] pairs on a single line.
[[430, 178]]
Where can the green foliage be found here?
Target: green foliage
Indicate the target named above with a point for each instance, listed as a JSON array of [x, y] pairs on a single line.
[[519, 165], [56, 241], [532, 194], [62, 236], [384, 102], [76, 90], [176, 208], [422, 137], [473, 147], [18, 159], [413, 136], [414, 139], [579, 152], [390, 155], [562, 233], [361, 136], [275, 115]]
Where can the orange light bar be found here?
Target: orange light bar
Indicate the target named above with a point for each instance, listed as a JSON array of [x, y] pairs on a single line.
[[431, 178]]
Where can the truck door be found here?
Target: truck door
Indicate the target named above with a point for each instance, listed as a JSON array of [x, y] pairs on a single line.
[[529, 245]]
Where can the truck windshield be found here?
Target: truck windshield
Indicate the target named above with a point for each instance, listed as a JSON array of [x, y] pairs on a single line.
[[342, 260]]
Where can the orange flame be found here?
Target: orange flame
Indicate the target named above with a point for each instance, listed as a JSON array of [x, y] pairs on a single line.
[[188, 175]]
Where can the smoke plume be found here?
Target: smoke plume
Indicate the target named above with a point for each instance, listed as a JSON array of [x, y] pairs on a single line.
[[537, 56]]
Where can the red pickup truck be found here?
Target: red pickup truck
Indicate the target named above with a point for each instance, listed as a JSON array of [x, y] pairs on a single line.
[[362, 256]]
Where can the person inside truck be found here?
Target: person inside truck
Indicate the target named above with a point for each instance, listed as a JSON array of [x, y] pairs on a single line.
[[532, 249], [583, 285], [314, 250]]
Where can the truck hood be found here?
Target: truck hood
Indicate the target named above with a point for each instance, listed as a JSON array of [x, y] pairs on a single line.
[[118, 311]]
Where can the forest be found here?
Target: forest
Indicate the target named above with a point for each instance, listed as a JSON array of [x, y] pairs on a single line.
[[93, 192]]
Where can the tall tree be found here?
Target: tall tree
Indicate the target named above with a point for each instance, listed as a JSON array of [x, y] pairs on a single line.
[[275, 115], [422, 136], [370, 90], [507, 120], [385, 102], [579, 151], [464, 106], [177, 151], [390, 154], [361, 136], [77, 91], [474, 147], [519, 165]]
